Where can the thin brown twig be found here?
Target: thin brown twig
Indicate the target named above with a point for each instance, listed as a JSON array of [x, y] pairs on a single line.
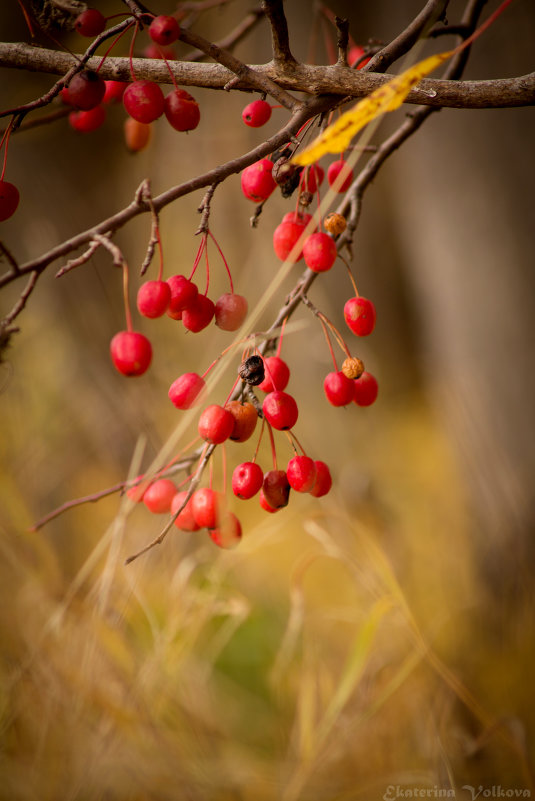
[[73, 263], [282, 55], [204, 210]]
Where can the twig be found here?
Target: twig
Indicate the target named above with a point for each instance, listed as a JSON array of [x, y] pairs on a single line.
[[244, 73], [73, 263], [11, 259], [282, 55], [21, 303], [204, 210], [428, 16], [342, 26]]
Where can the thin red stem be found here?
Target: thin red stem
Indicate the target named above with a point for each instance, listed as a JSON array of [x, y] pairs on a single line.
[[235, 384], [262, 429], [110, 48], [214, 240], [329, 343], [207, 262], [131, 51], [198, 256], [128, 313], [273, 449], [279, 345], [5, 139], [160, 249], [224, 467]]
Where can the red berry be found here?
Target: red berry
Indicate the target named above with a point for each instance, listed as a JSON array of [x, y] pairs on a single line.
[[256, 113], [186, 391], [183, 292], [153, 298], [86, 90], [280, 410], [257, 182], [300, 219], [276, 488], [360, 314], [9, 200], [199, 314], [338, 388], [137, 492], [185, 520], [323, 482], [87, 121], [247, 480], [277, 374], [90, 22], [230, 311], [215, 424], [312, 178], [285, 237], [206, 507], [131, 353], [157, 498], [136, 134], [182, 110], [114, 91], [355, 53], [265, 505], [228, 533], [334, 171], [245, 419], [301, 472], [366, 389], [320, 252], [144, 101], [164, 30]]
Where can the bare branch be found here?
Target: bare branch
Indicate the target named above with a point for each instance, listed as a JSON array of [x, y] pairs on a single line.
[[313, 80]]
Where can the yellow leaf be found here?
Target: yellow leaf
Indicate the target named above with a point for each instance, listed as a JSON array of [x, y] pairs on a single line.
[[337, 137]]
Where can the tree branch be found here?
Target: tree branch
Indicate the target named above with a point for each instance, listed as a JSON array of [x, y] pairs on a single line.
[[313, 80]]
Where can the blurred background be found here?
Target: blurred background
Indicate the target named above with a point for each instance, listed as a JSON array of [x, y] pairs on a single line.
[[374, 642]]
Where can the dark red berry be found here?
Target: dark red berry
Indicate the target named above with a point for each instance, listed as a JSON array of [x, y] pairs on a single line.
[[323, 482], [257, 182], [87, 121], [247, 480], [230, 311], [228, 533], [215, 424], [144, 101], [9, 200], [265, 505], [185, 520], [182, 110], [157, 498], [366, 389], [301, 472], [207, 506], [360, 315], [338, 388], [256, 113], [276, 488], [280, 410], [153, 298], [164, 30], [277, 374], [245, 420], [183, 292], [320, 252], [199, 314], [131, 353], [186, 391], [334, 171], [90, 22], [86, 90]]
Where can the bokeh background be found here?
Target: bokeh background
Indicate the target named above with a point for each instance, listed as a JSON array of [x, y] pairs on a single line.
[[374, 642]]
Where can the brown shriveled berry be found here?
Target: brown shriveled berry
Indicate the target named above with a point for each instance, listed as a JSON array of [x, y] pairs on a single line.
[[252, 370], [335, 224], [353, 367]]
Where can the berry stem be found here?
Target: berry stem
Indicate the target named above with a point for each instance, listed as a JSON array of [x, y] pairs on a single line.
[[224, 467], [5, 138], [293, 440], [131, 51], [262, 429], [273, 449], [110, 48], [235, 384], [214, 240], [279, 345], [207, 261], [198, 256], [329, 343], [128, 313], [351, 277]]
